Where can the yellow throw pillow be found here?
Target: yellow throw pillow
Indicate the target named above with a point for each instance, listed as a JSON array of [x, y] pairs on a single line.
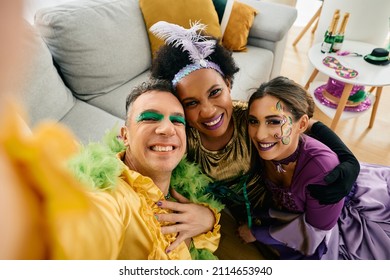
[[236, 22], [180, 12]]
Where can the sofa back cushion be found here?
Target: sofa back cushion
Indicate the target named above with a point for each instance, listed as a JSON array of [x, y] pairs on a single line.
[[98, 45], [43, 92], [180, 12]]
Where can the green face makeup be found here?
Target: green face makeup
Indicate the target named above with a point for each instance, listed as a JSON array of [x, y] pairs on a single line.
[[149, 116], [153, 116], [286, 127], [178, 119]]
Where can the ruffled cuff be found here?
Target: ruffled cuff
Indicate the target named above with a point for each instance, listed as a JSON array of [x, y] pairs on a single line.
[[209, 240]]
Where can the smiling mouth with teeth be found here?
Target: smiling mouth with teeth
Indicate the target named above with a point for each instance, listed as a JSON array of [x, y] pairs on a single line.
[[162, 148], [214, 122], [266, 145]]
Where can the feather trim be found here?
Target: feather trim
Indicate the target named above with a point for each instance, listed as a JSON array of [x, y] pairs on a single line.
[[184, 182], [97, 166], [198, 46], [201, 254], [113, 140]]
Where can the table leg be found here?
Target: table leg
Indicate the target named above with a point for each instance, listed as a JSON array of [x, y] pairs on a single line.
[[312, 76], [375, 106], [340, 108]]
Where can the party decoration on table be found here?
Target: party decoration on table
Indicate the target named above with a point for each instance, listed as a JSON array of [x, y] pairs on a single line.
[[378, 56], [340, 70], [329, 95], [330, 34], [339, 36], [348, 53]]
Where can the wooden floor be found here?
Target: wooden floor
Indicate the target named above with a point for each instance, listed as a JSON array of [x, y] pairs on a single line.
[[368, 145]]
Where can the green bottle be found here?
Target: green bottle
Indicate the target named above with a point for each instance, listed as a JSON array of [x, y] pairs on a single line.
[[327, 44], [339, 38]]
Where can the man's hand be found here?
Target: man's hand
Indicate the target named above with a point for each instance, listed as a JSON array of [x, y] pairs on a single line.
[[190, 219]]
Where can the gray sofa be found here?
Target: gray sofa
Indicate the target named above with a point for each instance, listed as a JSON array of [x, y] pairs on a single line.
[[88, 55]]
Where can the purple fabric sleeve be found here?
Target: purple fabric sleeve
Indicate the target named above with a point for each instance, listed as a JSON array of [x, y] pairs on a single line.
[[315, 162], [306, 229]]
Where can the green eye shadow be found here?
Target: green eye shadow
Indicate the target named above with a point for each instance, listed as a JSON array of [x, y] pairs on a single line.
[[149, 116], [179, 119]]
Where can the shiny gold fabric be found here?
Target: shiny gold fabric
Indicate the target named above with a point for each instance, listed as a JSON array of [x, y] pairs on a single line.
[[231, 161], [83, 224], [229, 165]]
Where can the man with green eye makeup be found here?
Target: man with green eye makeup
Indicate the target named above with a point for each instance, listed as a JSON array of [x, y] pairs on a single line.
[[144, 168], [155, 140], [109, 207]]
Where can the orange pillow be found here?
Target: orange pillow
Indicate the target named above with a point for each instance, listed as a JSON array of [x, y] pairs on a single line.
[[236, 22], [179, 12]]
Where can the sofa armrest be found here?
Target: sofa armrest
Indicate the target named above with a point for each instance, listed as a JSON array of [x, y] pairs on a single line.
[[273, 20]]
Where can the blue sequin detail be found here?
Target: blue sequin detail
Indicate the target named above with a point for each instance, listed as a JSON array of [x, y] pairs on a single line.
[[188, 69]]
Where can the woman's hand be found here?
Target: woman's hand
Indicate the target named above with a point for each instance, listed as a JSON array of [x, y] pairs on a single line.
[[341, 179], [246, 234], [189, 219]]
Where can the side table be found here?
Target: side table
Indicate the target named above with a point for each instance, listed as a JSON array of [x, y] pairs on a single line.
[[376, 76]]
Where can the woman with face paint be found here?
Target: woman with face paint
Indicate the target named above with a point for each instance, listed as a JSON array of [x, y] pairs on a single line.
[[297, 225], [202, 72]]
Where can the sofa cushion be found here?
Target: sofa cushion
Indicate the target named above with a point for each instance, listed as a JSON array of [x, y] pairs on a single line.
[[236, 22], [114, 101], [181, 13], [219, 6], [89, 123], [274, 22], [255, 67], [44, 94], [98, 45]]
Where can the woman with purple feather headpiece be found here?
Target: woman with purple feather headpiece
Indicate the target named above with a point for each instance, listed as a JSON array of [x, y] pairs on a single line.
[[202, 73]]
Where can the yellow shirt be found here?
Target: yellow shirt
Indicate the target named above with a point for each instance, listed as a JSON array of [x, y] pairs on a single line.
[[84, 224]]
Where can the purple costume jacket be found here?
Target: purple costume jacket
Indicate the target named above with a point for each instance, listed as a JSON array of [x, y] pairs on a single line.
[[298, 227]]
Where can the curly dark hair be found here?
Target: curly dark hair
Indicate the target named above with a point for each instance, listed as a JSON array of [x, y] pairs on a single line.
[[169, 60]]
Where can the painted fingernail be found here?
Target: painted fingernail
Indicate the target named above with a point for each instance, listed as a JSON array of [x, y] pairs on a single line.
[[159, 203], [168, 251]]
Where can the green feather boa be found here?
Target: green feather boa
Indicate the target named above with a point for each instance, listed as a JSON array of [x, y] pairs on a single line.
[[97, 166]]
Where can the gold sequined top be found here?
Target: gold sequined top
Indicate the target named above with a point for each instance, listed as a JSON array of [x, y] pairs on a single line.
[[231, 162], [234, 158]]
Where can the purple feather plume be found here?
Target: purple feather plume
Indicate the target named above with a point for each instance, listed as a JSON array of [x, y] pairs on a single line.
[[191, 40]]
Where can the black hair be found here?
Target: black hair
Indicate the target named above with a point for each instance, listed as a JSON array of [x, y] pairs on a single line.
[[152, 84], [169, 60]]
